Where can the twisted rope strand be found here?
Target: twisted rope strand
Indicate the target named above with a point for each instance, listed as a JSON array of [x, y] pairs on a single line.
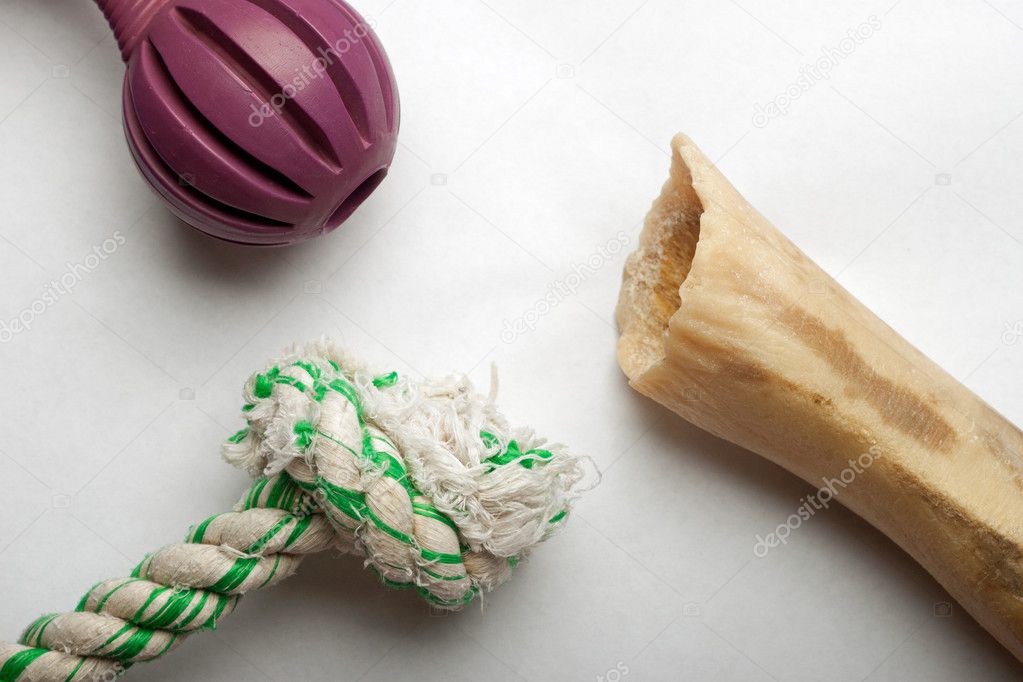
[[178, 590], [329, 475]]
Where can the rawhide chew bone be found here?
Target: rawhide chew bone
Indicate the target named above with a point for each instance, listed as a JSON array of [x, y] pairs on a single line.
[[426, 481], [258, 121], [726, 322]]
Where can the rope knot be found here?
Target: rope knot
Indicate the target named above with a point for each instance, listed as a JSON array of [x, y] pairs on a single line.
[[425, 479]]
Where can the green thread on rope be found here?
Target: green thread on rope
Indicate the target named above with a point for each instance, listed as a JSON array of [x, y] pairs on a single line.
[[386, 380], [166, 614], [301, 526], [113, 637], [239, 437], [432, 512], [153, 596], [349, 392], [166, 647], [304, 432], [82, 602], [134, 645], [348, 501], [335, 441], [235, 576], [291, 501], [196, 610], [273, 572], [281, 487], [513, 453], [42, 629], [383, 526], [74, 672], [218, 611], [439, 576], [102, 602], [440, 557], [258, 545], [137, 571], [255, 492], [200, 530], [310, 369], [469, 595], [292, 381], [35, 630], [16, 664], [387, 463], [489, 439], [264, 386], [353, 503], [175, 606]]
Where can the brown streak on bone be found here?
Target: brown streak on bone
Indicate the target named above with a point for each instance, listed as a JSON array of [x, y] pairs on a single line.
[[998, 555], [898, 406]]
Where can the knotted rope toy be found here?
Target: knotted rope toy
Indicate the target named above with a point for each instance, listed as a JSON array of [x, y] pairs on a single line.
[[426, 481]]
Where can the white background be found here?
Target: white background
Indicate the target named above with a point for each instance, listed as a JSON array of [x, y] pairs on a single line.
[[533, 132]]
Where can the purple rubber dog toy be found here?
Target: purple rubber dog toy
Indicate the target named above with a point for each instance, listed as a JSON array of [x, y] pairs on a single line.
[[258, 121]]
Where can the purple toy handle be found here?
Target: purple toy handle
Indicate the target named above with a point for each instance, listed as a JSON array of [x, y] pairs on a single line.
[[128, 19], [258, 121]]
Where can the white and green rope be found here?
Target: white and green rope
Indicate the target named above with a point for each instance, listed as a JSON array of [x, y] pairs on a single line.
[[426, 481]]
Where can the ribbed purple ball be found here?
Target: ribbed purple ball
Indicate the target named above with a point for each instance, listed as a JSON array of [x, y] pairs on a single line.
[[258, 121]]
